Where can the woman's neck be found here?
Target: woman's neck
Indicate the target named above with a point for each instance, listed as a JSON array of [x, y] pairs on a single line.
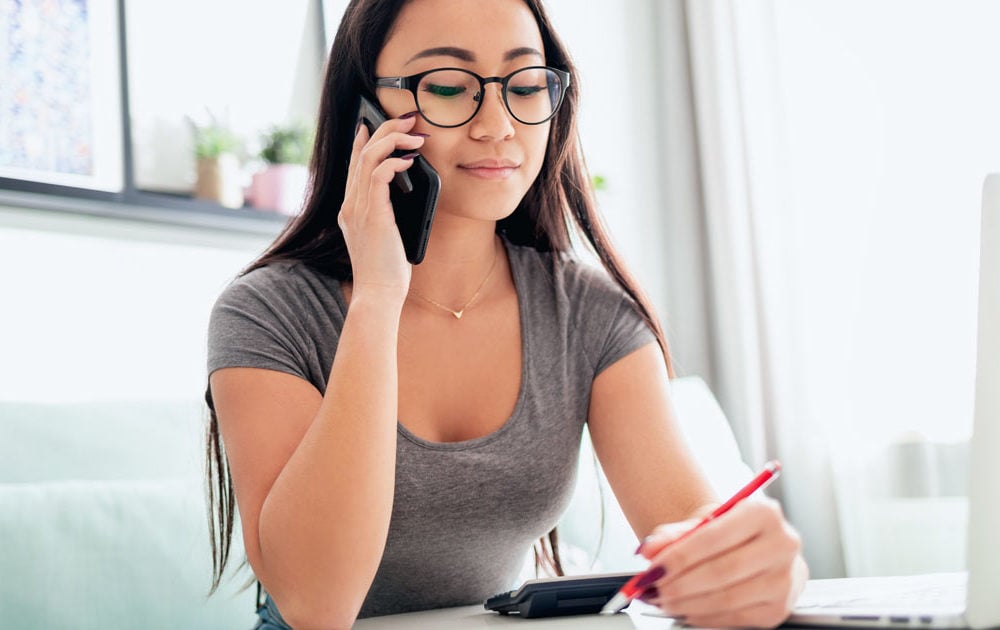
[[461, 254]]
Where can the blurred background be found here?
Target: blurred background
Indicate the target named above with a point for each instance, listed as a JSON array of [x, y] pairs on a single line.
[[796, 183]]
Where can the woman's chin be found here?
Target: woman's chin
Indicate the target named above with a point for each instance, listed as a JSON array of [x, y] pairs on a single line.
[[474, 210]]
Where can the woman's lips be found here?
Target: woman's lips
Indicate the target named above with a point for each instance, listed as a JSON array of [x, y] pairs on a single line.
[[490, 169]]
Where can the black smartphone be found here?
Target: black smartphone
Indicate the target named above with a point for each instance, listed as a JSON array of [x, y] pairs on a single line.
[[413, 193]]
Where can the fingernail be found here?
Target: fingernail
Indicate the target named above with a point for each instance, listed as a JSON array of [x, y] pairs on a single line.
[[409, 156], [650, 593], [420, 135], [642, 544], [651, 576], [408, 115]]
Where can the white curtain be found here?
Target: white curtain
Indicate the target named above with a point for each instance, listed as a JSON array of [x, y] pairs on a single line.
[[823, 168], [730, 315]]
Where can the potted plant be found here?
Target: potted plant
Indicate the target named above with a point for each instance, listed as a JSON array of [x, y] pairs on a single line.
[[281, 185], [216, 148]]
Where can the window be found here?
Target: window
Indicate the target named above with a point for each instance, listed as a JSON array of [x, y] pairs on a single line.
[[104, 97]]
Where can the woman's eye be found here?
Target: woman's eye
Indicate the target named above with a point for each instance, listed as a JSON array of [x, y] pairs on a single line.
[[527, 90], [445, 91]]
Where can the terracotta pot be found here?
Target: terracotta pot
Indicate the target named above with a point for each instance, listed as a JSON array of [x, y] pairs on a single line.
[[279, 187], [219, 181]]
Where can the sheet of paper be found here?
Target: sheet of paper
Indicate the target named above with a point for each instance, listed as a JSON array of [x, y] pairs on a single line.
[[936, 591]]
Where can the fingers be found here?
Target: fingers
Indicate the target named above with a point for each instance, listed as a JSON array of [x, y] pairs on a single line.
[[739, 570], [381, 146], [743, 523], [381, 175], [370, 149], [664, 535], [391, 135], [376, 250], [738, 565], [361, 137], [758, 588], [371, 166]]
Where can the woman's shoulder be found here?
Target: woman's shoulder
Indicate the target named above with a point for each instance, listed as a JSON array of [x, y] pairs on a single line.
[[576, 299], [283, 276], [283, 285], [283, 316], [572, 276]]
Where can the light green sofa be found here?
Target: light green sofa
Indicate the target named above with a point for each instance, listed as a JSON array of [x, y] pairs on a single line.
[[103, 517]]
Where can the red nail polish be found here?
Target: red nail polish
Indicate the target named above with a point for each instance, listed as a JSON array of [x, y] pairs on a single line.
[[649, 594], [409, 156], [653, 575], [420, 135], [409, 115]]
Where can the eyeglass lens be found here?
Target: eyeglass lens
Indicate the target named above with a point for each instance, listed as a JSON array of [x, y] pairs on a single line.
[[451, 97]]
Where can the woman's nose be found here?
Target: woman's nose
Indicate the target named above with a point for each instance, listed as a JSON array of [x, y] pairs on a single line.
[[492, 121]]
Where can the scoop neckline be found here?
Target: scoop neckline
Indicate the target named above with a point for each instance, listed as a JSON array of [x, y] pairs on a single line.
[[515, 272]]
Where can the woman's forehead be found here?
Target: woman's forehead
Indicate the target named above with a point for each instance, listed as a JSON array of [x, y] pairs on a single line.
[[465, 31]]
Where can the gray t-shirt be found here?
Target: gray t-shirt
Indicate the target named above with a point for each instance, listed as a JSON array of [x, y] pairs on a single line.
[[465, 513]]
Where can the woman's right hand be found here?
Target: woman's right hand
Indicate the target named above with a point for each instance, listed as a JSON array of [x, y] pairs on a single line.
[[373, 242]]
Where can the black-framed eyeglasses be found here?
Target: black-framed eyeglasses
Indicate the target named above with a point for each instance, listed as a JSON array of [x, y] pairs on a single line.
[[451, 97]]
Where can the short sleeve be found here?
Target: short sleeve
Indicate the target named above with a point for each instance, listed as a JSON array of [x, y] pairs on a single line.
[[252, 326], [605, 320], [626, 333]]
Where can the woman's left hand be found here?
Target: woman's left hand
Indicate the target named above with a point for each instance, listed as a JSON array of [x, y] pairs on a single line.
[[742, 569]]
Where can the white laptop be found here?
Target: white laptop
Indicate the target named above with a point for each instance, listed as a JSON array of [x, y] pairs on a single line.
[[950, 600]]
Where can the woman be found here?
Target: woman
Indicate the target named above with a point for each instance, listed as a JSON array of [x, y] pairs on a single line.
[[397, 435]]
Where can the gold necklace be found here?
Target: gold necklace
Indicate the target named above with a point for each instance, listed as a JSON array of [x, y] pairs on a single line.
[[458, 314]]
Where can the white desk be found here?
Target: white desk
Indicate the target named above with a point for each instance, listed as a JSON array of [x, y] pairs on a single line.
[[477, 617]]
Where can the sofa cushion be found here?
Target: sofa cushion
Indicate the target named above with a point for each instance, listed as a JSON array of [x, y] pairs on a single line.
[[120, 439], [112, 554]]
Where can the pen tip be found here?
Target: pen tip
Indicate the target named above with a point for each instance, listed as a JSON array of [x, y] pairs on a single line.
[[615, 604]]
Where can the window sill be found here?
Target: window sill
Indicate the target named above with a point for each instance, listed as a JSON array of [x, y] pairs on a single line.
[[152, 208]]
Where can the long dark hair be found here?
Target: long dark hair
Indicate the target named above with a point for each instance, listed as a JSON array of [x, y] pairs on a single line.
[[560, 197]]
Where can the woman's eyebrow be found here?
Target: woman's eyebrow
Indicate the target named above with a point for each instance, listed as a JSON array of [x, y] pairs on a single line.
[[521, 52], [468, 55]]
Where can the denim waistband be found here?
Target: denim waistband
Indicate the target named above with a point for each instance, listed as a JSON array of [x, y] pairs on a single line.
[[268, 617]]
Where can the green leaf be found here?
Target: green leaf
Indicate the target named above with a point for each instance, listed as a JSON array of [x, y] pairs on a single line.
[[214, 138], [287, 145]]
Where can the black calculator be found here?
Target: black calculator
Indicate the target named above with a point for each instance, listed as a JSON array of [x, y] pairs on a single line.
[[551, 597]]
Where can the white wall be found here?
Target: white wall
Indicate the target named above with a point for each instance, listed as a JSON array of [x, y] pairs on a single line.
[[94, 308]]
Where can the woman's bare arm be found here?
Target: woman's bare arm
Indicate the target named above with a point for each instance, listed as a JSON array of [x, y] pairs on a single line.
[[742, 569], [640, 445], [314, 475]]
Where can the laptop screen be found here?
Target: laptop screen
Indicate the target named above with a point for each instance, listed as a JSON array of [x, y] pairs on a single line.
[[984, 479]]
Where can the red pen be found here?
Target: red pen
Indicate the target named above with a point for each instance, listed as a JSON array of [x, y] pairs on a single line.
[[631, 590]]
